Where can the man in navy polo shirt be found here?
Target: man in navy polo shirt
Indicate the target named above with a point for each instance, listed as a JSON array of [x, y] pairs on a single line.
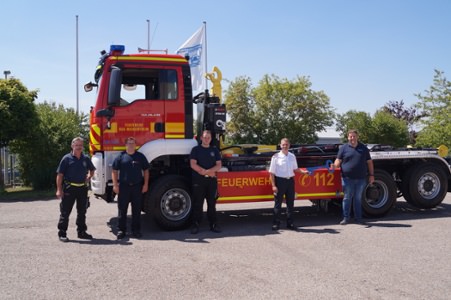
[[130, 181], [356, 165], [73, 173], [205, 161]]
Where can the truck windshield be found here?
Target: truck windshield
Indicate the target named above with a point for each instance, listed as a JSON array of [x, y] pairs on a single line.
[[148, 84]]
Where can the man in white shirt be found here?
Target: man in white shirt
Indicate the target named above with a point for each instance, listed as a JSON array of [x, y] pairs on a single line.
[[282, 168]]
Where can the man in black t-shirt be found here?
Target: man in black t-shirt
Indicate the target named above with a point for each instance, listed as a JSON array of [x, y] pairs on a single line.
[[205, 161], [130, 181]]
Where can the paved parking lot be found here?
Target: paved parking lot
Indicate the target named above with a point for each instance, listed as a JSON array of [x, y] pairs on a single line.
[[405, 255]]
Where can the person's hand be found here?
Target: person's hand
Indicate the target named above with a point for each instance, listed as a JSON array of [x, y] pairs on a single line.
[[145, 188], [59, 194], [332, 167], [116, 189]]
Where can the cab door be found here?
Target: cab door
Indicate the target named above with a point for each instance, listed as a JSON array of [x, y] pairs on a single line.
[[150, 105]]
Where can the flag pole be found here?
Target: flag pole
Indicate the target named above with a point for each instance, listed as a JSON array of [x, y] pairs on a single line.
[[76, 62], [206, 67]]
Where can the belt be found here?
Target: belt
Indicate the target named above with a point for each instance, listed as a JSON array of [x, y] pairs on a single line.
[[77, 184], [287, 178], [206, 176]]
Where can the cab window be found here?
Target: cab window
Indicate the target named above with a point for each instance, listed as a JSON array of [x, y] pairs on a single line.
[[148, 84]]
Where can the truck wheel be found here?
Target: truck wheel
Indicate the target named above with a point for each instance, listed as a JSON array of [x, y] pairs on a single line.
[[428, 185], [379, 197], [405, 186], [109, 194], [169, 202]]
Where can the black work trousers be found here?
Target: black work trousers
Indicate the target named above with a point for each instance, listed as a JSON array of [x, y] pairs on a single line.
[[70, 195], [285, 187], [204, 188], [129, 194]]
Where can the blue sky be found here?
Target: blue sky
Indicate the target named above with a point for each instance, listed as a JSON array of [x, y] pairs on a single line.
[[362, 54]]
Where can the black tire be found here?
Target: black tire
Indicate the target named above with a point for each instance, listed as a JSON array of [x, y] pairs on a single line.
[[427, 185], [169, 202], [405, 187], [379, 197], [109, 194]]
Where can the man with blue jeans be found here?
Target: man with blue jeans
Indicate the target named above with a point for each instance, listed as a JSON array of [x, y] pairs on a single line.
[[356, 164]]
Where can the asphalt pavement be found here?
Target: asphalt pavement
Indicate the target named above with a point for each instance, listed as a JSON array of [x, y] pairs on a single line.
[[404, 255]]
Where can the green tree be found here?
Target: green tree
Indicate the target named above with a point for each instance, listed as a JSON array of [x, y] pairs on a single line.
[[274, 109], [388, 130], [382, 128], [241, 109], [17, 114], [410, 115], [436, 103], [353, 119], [41, 154]]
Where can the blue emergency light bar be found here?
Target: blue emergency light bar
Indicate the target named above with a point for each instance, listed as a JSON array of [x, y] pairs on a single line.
[[117, 50]]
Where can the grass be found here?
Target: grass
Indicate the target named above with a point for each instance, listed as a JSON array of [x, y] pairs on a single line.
[[25, 194]]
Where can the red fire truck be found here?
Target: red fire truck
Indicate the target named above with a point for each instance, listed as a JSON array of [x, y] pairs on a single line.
[[149, 96]]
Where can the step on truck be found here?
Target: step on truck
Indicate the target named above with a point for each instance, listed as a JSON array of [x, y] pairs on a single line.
[[150, 97]]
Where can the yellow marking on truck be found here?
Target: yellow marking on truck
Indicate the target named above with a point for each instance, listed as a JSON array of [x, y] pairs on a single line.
[[113, 128], [329, 194], [240, 198], [96, 128], [165, 59], [175, 127], [174, 136]]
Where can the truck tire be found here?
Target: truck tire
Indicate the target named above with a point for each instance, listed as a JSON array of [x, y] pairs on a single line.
[[405, 186], [109, 194], [379, 197], [169, 202], [427, 185]]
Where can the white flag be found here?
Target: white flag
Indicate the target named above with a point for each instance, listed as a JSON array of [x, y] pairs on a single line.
[[194, 48]]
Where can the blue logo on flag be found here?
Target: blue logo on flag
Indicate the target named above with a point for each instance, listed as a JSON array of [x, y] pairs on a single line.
[[194, 54]]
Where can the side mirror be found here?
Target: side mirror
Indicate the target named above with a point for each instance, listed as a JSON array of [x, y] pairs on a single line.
[[88, 87]]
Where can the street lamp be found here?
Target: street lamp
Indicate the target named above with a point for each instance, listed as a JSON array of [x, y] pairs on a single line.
[[6, 74]]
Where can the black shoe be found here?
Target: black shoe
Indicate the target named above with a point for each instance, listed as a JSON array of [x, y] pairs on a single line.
[[120, 235], [275, 227], [63, 239], [215, 228], [360, 222], [195, 229], [137, 235], [291, 226], [344, 222], [84, 235]]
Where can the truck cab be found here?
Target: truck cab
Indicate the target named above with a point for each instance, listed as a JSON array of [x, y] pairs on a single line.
[[145, 96]]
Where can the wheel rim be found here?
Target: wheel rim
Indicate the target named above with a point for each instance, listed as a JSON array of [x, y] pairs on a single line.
[[429, 185], [377, 194], [175, 204]]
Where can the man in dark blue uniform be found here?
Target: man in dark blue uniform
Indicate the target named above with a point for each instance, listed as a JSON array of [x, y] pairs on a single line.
[[130, 182], [73, 173], [205, 161]]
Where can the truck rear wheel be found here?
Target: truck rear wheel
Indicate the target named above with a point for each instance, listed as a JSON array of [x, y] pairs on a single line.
[[379, 197], [427, 185], [169, 202]]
